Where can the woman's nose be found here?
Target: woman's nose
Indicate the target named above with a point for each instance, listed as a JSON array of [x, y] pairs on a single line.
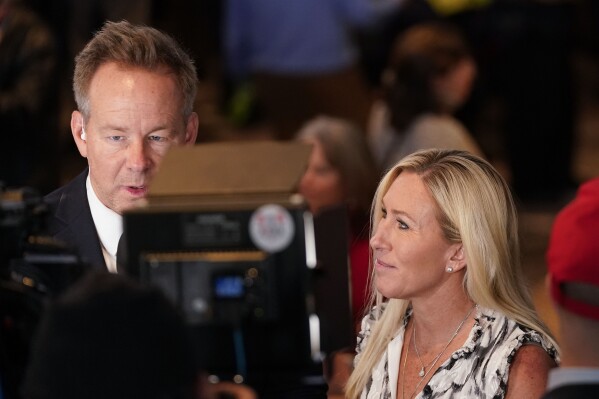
[[306, 183], [379, 239]]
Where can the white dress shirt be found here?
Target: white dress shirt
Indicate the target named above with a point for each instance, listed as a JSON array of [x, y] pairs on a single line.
[[109, 226]]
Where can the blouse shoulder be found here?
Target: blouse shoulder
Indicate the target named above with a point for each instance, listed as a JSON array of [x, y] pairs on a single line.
[[369, 321], [366, 325], [500, 337], [514, 334], [481, 367]]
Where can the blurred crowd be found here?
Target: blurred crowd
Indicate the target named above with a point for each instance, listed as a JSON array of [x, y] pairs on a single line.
[[266, 71]]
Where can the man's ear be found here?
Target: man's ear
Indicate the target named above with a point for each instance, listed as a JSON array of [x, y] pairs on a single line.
[[457, 259], [191, 129], [77, 131]]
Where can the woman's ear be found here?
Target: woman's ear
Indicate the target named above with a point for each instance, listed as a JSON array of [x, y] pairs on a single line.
[[457, 259]]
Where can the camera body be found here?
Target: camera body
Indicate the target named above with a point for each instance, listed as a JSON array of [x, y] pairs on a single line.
[[29, 257], [255, 307], [33, 268], [262, 283]]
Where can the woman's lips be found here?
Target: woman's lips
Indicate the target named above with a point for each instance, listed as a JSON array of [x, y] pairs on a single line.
[[382, 265]]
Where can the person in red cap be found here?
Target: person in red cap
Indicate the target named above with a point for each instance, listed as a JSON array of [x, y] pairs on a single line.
[[573, 266]]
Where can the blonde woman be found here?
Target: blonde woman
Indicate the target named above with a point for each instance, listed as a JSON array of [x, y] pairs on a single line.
[[452, 315]]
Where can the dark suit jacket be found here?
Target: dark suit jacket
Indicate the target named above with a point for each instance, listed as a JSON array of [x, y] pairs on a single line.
[[587, 391], [70, 221]]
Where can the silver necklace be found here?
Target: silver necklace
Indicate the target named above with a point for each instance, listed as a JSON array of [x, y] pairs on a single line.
[[423, 372]]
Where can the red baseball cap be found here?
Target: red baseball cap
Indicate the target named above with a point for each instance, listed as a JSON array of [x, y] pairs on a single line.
[[573, 253]]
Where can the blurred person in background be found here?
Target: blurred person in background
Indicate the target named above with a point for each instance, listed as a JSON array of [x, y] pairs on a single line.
[[529, 91], [28, 111], [573, 280], [300, 57], [112, 337], [341, 171], [429, 76]]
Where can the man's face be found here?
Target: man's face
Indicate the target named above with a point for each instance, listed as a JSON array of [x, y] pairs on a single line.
[[135, 117]]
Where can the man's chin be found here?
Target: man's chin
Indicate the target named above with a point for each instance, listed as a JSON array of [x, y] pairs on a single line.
[[132, 204]]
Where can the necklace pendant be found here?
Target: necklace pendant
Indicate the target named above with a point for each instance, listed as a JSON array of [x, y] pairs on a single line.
[[421, 373]]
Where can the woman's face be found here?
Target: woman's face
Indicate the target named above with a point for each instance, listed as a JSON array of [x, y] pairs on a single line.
[[321, 184], [453, 88], [409, 249]]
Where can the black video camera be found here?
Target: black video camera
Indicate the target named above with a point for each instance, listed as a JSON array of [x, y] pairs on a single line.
[[33, 268], [28, 256]]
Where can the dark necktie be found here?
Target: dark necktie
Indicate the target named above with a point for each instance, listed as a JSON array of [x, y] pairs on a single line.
[[121, 256]]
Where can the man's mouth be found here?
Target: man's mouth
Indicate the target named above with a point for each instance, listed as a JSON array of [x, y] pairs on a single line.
[[137, 191]]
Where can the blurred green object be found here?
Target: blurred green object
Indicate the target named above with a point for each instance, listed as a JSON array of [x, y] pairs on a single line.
[[450, 7], [242, 104]]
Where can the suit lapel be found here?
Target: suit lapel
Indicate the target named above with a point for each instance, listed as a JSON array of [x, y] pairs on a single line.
[[74, 213]]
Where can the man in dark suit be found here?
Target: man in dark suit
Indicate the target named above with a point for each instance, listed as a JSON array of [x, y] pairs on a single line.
[[71, 221], [573, 261], [135, 88]]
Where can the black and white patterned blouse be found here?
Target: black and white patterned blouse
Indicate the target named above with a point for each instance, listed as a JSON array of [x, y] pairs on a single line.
[[479, 369]]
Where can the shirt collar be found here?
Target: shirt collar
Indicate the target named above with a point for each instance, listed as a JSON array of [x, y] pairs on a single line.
[[109, 224]]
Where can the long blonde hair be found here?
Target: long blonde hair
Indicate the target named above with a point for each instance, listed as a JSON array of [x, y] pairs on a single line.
[[475, 207]]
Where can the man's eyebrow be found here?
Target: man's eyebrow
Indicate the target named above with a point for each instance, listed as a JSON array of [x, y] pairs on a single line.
[[123, 129], [112, 128], [159, 128]]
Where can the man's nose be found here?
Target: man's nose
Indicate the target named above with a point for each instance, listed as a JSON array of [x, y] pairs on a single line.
[[137, 156]]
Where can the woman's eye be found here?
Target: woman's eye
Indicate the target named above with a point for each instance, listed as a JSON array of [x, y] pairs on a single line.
[[402, 225], [384, 212]]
